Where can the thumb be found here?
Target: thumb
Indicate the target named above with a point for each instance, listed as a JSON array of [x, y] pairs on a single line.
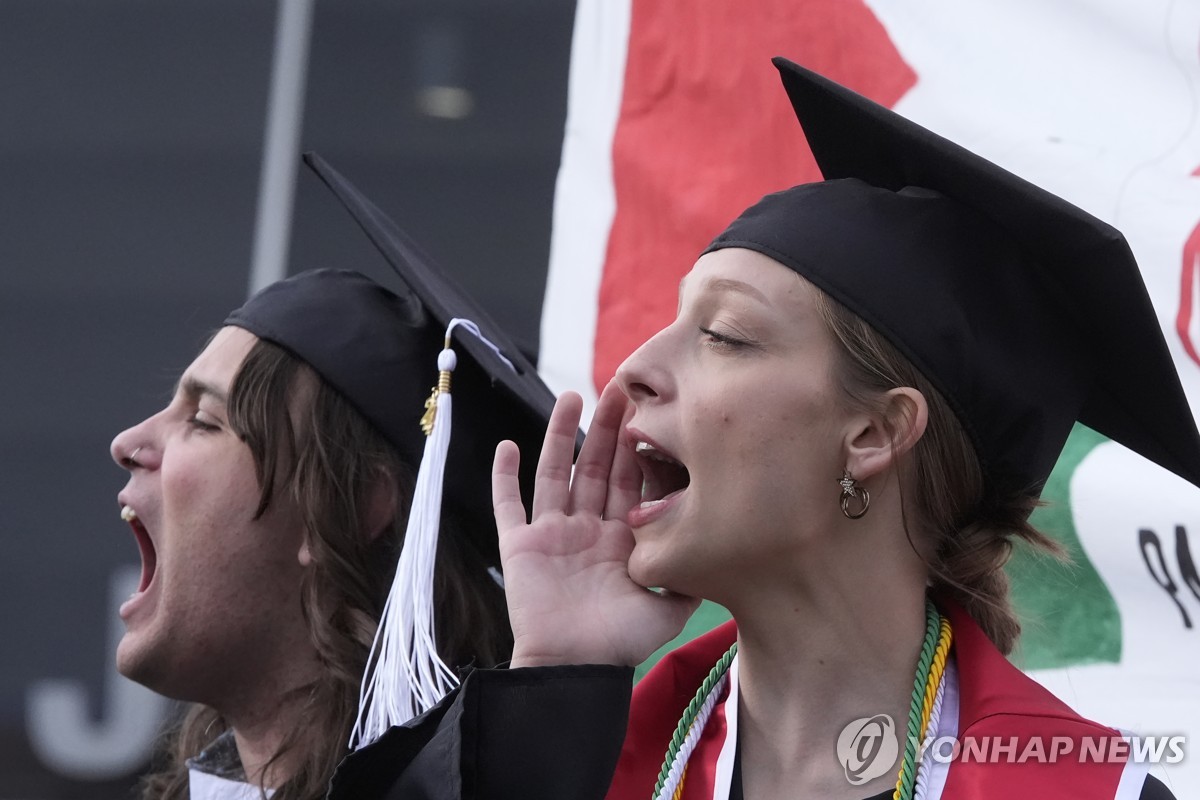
[[679, 609]]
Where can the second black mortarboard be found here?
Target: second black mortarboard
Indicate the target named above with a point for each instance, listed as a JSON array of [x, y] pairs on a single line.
[[383, 349]]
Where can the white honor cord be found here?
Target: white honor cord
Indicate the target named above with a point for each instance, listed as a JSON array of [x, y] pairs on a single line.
[[405, 676], [933, 771], [921, 787]]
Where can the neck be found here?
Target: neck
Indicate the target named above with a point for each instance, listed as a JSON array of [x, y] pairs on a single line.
[[264, 700], [817, 652], [266, 705], [260, 731]]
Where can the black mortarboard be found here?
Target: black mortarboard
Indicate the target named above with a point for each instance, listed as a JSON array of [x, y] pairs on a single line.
[[370, 344], [383, 350], [1024, 311], [378, 347]]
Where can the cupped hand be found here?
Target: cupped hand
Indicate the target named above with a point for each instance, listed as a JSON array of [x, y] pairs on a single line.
[[570, 597]]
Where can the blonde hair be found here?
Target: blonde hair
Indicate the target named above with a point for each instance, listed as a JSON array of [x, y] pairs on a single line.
[[971, 528]]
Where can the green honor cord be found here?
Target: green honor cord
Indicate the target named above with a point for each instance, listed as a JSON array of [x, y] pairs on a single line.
[[930, 668]]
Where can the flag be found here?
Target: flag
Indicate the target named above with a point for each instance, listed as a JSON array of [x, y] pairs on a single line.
[[676, 122]]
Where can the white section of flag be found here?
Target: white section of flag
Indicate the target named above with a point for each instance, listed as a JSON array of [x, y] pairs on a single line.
[[1095, 101], [1155, 689], [584, 199]]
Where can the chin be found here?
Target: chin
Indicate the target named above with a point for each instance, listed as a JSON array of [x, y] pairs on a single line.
[[671, 570], [639, 573], [131, 663], [139, 662], [654, 570]]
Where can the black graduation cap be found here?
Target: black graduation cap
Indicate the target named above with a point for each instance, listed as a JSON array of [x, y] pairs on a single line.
[[1024, 311], [379, 346], [383, 349]]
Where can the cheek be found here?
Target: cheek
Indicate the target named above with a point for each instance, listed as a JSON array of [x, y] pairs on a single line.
[[721, 414], [212, 476], [780, 446], [209, 502]]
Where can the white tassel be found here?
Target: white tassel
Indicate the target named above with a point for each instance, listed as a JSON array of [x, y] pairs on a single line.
[[405, 676]]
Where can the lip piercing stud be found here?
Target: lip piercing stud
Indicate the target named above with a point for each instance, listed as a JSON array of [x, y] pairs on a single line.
[[127, 513]]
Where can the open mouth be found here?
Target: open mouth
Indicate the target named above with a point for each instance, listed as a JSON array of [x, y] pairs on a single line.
[[145, 547], [662, 475]]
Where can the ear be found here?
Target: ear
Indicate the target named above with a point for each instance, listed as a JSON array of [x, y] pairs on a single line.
[[380, 506], [879, 440], [379, 511]]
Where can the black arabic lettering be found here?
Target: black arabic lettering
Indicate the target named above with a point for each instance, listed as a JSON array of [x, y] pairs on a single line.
[[1147, 540]]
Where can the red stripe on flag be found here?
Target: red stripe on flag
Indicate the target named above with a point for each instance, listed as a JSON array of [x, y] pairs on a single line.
[[705, 130], [1187, 293]]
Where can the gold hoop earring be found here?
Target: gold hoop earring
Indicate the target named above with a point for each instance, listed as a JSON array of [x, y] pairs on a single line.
[[851, 490]]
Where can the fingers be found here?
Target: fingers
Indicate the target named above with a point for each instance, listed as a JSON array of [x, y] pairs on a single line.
[[507, 505], [552, 481], [594, 466], [625, 478]]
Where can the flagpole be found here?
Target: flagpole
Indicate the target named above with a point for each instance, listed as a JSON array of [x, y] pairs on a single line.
[[285, 112]]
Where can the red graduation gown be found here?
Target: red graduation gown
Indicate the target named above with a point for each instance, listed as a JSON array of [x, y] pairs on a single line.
[[995, 700]]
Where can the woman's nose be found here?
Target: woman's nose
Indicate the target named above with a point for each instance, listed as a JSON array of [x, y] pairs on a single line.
[[644, 374]]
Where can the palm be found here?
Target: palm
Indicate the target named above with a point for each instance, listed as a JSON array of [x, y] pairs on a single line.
[[570, 598]]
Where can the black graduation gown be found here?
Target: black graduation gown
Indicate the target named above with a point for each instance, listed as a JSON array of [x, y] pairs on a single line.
[[544, 732]]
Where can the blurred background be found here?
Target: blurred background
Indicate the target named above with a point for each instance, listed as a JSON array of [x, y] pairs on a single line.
[[132, 143], [148, 178]]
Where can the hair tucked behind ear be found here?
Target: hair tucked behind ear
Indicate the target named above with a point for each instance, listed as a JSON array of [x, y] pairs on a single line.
[[328, 462], [969, 529]]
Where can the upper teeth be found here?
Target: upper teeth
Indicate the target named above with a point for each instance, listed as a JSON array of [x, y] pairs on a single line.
[[128, 514], [650, 451]]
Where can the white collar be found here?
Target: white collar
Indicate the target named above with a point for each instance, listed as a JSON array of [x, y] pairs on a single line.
[[205, 786]]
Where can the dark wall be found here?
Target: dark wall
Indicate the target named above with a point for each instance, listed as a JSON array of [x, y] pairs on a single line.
[[131, 139]]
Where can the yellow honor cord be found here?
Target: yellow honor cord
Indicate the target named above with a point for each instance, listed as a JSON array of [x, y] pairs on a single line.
[[935, 674], [679, 789]]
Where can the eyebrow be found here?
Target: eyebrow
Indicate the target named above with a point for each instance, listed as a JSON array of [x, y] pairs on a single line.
[[730, 285], [196, 388]]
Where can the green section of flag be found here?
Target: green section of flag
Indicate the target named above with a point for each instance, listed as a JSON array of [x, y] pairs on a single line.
[[707, 617], [1067, 614]]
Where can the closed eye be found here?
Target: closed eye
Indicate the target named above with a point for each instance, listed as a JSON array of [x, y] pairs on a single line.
[[722, 341], [199, 424]]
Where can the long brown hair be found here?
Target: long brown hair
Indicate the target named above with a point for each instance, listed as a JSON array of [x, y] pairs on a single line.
[[327, 462], [971, 527]]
